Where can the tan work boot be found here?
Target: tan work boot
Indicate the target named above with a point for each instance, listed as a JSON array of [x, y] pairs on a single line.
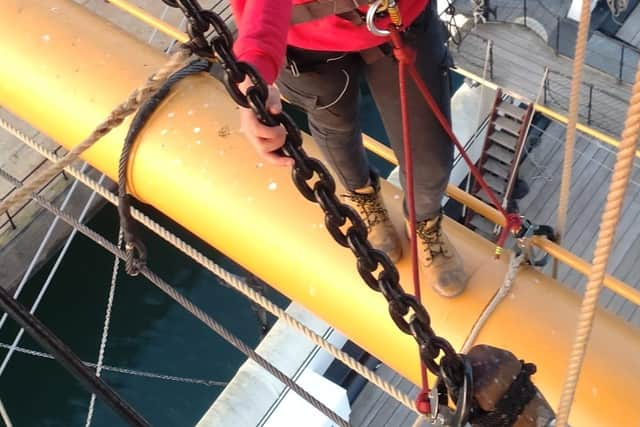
[[369, 204], [440, 264]]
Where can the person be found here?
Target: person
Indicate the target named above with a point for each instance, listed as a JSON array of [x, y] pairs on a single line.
[[316, 59]]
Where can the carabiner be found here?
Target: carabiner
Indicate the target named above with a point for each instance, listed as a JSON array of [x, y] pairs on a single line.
[[371, 17]]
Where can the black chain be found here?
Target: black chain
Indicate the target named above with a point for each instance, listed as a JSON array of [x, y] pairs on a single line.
[[316, 184]]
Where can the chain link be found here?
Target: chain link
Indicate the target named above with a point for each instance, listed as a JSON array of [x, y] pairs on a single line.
[[315, 183]]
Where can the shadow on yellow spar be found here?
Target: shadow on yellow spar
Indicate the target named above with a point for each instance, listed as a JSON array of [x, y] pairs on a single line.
[[63, 69]]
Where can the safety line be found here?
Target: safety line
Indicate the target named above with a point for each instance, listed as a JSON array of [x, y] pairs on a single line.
[[574, 105], [49, 278], [196, 311], [224, 275], [515, 262], [105, 328], [125, 371], [5, 415], [36, 257]]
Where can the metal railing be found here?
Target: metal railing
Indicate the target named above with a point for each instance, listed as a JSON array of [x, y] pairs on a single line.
[[599, 108], [547, 18]]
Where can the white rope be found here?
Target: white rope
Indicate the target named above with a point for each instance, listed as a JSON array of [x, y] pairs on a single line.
[[126, 371], [105, 328], [27, 274], [226, 276], [52, 273], [515, 262], [5, 415]]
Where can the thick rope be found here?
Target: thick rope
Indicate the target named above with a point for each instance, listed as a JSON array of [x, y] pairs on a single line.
[[574, 107], [224, 275], [4, 415], [514, 266], [113, 120], [105, 328], [610, 217], [126, 371], [188, 305]]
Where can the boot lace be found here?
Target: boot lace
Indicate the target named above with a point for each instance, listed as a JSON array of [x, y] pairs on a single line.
[[369, 207], [431, 236]]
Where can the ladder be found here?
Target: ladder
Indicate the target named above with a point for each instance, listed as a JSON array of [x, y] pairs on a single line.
[[509, 123]]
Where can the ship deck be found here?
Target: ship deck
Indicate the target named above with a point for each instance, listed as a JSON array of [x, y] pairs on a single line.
[[591, 171]]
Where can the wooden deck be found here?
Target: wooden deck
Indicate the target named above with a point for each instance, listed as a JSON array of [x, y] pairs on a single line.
[[630, 30], [374, 408], [592, 166], [523, 74]]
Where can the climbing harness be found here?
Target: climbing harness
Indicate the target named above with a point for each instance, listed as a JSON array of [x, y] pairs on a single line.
[[406, 57], [406, 61]]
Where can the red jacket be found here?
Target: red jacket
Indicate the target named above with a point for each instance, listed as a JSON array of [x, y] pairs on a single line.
[[264, 30]]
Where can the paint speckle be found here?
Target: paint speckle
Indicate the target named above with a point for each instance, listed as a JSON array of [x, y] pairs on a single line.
[[163, 132], [272, 186], [190, 113], [221, 152], [196, 130], [171, 115], [198, 142], [259, 165], [46, 38], [224, 131], [396, 196]]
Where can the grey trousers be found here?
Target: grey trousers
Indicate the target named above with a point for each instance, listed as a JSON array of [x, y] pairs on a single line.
[[326, 86]]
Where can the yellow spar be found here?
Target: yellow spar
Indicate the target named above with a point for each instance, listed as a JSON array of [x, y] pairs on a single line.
[[63, 69]]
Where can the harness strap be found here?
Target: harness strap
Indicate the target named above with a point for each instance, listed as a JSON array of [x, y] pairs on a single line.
[[318, 9]]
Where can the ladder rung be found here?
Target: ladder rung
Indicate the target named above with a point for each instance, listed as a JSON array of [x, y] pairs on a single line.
[[508, 109], [502, 154], [504, 139], [480, 194], [482, 225], [508, 125], [496, 184], [496, 167]]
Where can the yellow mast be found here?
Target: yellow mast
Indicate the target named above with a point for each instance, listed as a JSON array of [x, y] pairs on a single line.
[[63, 69]]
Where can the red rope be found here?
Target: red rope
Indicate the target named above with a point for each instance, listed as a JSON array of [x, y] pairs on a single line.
[[406, 58], [406, 63]]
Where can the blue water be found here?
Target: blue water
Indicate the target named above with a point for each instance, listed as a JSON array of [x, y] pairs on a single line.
[[148, 332]]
